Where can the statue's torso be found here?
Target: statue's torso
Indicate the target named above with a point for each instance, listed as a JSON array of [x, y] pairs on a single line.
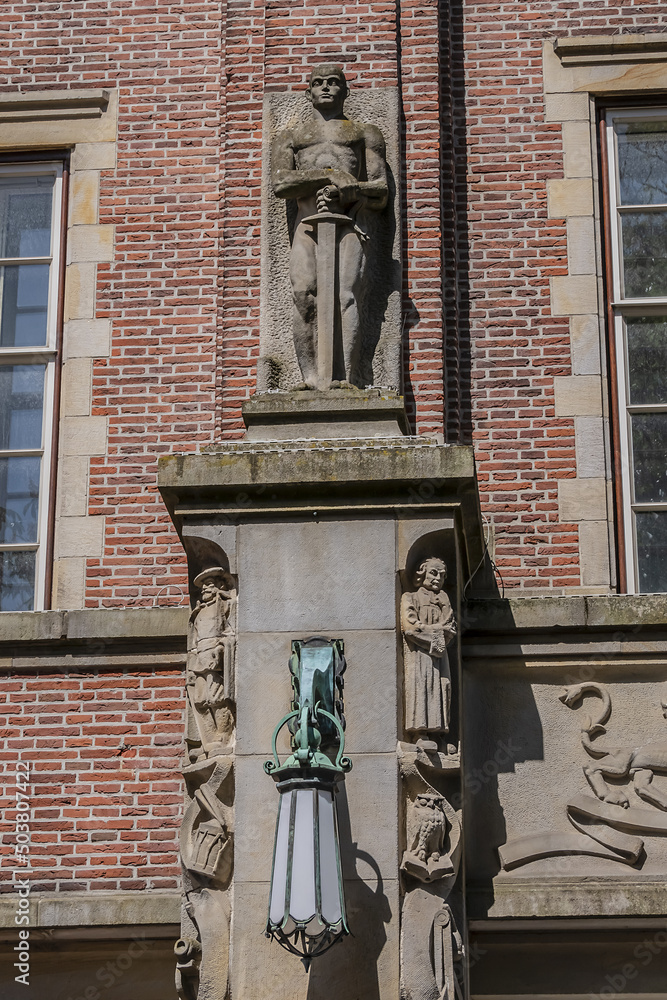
[[334, 145]]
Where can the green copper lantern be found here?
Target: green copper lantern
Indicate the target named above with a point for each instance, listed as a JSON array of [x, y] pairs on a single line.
[[307, 903]]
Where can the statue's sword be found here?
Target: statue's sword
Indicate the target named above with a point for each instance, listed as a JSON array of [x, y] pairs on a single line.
[[326, 225]]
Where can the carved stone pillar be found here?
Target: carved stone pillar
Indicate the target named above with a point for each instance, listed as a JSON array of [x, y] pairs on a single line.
[[322, 538]]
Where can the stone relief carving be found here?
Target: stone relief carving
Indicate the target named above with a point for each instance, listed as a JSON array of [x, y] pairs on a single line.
[[606, 822], [428, 625], [210, 662], [207, 830], [431, 946], [335, 168]]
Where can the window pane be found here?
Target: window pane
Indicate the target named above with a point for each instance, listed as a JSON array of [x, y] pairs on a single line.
[[642, 162], [21, 402], [644, 253], [647, 359], [25, 295], [652, 552], [19, 499], [17, 581], [25, 216], [649, 449]]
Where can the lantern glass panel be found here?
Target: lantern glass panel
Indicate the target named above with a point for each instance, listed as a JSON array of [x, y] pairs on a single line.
[[329, 865], [303, 903], [277, 908]]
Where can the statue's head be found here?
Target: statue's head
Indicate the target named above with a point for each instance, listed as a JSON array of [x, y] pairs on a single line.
[[327, 88], [431, 574], [212, 581]]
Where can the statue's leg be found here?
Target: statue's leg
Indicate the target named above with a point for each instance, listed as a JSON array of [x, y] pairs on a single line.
[[351, 273], [615, 796], [303, 275], [642, 780]]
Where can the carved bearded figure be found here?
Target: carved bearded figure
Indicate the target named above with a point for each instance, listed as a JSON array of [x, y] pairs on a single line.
[[428, 626]]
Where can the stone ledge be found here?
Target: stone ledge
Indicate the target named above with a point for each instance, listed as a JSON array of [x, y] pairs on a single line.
[[100, 908], [586, 49], [108, 624], [338, 413], [584, 897], [541, 613]]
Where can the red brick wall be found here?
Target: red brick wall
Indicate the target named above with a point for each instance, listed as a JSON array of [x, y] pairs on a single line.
[[183, 291], [515, 347], [105, 796]]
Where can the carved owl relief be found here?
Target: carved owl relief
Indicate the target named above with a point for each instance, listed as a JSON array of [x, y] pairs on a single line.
[[427, 827]]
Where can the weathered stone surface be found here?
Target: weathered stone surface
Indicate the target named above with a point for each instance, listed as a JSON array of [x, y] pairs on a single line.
[[93, 909], [567, 897], [322, 576], [524, 613], [363, 965], [31, 626], [336, 413], [370, 690], [126, 622]]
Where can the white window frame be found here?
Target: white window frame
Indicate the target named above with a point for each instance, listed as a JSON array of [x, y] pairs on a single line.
[[46, 355], [623, 307]]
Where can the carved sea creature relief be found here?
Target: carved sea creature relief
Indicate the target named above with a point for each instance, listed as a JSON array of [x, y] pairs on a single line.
[[639, 764]]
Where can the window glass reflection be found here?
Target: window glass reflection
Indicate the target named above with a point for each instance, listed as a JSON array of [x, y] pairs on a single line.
[[652, 551], [644, 254], [24, 292], [17, 581], [25, 216], [19, 499], [647, 359], [642, 162], [21, 404], [649, 450]]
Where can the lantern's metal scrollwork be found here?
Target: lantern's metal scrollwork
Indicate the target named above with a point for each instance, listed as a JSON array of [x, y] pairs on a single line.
[[307, 903]]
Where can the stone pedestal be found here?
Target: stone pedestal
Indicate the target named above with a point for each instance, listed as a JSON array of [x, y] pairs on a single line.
[[321, 537]]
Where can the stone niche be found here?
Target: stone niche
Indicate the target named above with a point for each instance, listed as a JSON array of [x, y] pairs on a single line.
[[322, 538]]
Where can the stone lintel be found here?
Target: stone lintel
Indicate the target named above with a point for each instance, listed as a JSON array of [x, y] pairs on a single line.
[[338, 413], [611, 48], [84, 103]]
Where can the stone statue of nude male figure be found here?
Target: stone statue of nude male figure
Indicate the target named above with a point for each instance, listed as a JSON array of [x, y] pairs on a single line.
[[329, 164]]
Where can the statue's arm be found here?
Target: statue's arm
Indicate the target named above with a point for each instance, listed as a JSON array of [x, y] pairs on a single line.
[[375, 190], [290, 182], [412, 627]]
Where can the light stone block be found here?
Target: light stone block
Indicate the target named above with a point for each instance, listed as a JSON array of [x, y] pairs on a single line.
[[69, 583], [581, 245], [80, 286], [90, 243], [577, 153], [77, 387], [318, 576], [94, 156], [622, 78], [84, 197], [364, 966], [591, 449], [595, 553], [573, 295], [72, 492], [585, 345], [263, 690], [83, 436], [87, 338], [577, 396], [80, 536], [368, 817], [566, 107], [582, 500], [569, 197]]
